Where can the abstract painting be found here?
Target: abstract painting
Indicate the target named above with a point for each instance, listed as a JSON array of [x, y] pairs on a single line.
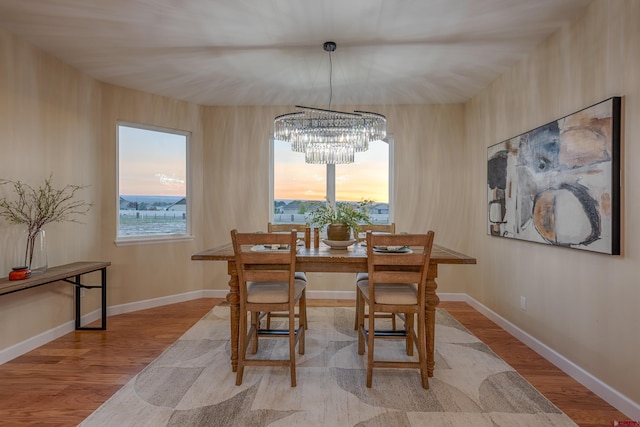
[[559, 184]]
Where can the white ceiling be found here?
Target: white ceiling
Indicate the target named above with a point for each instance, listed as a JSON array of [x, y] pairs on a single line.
[[269, 52]]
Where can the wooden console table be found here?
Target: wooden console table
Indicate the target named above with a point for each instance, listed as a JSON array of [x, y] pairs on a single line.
[[70, 273]]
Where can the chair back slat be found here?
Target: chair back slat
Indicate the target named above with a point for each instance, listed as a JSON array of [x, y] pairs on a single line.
[[406, 259], [376, 228], [279, 228], [266, 276], [253, 254], [264, 238], [284, 228], [398, 277]]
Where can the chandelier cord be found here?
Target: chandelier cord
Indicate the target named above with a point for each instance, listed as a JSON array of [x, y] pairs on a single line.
[[330, 80]]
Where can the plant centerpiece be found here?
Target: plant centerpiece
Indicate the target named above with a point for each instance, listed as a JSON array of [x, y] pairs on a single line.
[[341, 219], [37, 207]]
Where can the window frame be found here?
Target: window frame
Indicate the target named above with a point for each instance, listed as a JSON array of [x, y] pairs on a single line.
[[154, 238]]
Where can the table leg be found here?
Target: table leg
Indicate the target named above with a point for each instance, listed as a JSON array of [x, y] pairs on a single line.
[[432, 303], [233, 298]]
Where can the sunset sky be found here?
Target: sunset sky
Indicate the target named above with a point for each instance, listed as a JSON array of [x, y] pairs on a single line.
[[366, 178], [151, 163], [154, 164]]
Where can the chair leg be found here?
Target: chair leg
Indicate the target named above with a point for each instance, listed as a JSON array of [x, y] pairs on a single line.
[[370, 344], [255, 322], [409, 330], [356, 320], [360, 321], [242, 346], [303, 313], [302, 306], [292, 347], [422, 349]]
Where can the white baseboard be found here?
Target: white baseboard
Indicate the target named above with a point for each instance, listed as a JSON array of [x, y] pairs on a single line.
[[154, 302], [616, 399], [444, 296], [352, 295], [331, 295], [603, 390], [32, 343]]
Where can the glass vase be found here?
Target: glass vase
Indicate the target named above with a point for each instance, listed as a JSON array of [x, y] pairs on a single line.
[[35, 251]]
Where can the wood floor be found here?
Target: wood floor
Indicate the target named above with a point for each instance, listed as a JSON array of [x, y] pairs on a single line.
[[62, 382]]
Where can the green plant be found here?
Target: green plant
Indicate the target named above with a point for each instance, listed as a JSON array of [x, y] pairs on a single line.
[[345, 213], [36, 207]]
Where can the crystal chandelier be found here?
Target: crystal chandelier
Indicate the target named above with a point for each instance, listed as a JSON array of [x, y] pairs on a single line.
[[328, 136]]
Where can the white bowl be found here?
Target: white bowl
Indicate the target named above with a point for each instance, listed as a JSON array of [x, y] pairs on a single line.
[[338, 244]]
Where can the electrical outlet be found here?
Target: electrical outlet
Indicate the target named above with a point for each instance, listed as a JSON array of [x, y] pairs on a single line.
[[82, 292], [523, 303]]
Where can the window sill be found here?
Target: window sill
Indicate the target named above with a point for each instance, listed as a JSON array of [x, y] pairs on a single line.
[[152, 240]]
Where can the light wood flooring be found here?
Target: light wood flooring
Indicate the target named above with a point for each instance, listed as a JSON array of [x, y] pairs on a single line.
[[62, 382]]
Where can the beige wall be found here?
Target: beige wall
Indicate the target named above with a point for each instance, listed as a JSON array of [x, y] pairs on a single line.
[[580, 304], [429, 148], [583, 305], [49, 123]]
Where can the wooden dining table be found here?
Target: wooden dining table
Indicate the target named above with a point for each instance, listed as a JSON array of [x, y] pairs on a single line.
[[324, 259]]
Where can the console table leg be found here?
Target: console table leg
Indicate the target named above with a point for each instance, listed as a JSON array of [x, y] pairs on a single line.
[[78, 293], [104, 298], [103, 302]]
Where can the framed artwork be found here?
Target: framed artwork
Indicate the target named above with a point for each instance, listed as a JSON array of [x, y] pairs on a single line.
[[559, 184]]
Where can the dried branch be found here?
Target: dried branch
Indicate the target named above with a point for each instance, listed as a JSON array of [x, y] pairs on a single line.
[[36, 207]]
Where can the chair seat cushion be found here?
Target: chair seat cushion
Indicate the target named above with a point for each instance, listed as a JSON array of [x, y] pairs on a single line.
[[272, 292], [362, 276], [395, 294], [301, 276]]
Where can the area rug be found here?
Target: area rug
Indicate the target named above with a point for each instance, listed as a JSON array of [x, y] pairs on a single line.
[[191, 383]]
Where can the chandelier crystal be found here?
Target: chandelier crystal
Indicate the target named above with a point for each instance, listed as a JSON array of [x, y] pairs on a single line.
[[329, 136]]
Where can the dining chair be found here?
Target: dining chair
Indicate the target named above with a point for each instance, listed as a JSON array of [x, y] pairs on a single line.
[[266, 276], [361, 233], [301, 234], [281, 228], [397, 265], [376, 228]]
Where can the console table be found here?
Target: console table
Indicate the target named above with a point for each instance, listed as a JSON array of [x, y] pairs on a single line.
[[70, 273]]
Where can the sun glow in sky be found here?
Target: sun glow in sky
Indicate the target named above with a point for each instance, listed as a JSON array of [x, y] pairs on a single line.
[[151, 163], [366, 178]]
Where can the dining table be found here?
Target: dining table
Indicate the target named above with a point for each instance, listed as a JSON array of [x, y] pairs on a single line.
[[326, 259]]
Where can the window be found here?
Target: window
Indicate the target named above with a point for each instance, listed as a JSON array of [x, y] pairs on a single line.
[[296, 183], [152, 183]]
